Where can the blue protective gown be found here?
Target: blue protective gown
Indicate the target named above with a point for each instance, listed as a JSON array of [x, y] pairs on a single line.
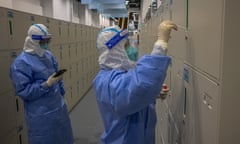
[[45, 110], [126, 100]]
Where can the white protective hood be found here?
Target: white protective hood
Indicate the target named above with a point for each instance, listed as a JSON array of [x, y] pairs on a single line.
[[115, 58]]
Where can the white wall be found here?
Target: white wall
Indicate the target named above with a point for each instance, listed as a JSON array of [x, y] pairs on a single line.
[[68, 10], [30, 6], [47, 8], [61, 9], [6, 3], [75, 11]]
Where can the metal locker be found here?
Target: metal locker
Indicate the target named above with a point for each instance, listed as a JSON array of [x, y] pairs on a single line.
[[7, 59], [65, 55], [19, 24], [64, 32], [7, 110], [200, 109], [178, 45], [74, 73], [22, 133], [75, 96], [84, 33], [176, 84], [73, 53], [56, 52], [67, 97], [10, 138], [19, 110], [80, 51], [4, 29], [160, 112], [67, 76], [79, 33], [202, 45], [71, 33], [55, 30], [179, 12]]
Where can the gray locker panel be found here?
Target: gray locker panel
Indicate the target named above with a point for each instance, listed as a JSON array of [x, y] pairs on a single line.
[[68, 97], [75, 95], [176, 86], [65, 55], [200, 109], [73, 53], [19, 23], [55, 30], [7, 110], [73, 73], [72, 31], [179, 12], [56, 52], [162, 111], [19, 110], [67, 76], [79, 33], [205, 35], [7, 59], [4, 29], [10, 138], [84, 33], [39, 19], [22, 134], [64, 32], [177, 44]]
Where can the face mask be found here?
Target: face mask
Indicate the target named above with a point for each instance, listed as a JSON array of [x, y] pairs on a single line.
[[44, 46]]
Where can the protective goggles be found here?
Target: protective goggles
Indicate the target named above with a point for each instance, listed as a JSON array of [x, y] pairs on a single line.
[[117, 38], [41, 37]]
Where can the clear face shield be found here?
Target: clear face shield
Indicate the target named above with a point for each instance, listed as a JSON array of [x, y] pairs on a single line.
[[44, 40], [123, 34]]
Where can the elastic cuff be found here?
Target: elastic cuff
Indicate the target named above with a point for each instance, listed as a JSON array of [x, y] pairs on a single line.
[[161, 43]]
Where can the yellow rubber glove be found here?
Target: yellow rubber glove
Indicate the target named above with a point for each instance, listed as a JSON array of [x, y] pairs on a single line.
[[52, 80], [164, 30]]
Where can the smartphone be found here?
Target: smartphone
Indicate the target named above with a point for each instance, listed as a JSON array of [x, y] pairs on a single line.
[[60, 72]]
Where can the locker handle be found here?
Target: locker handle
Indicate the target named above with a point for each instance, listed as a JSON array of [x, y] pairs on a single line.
[[17, 105], [20, 139], [185, 103], [10, 27]]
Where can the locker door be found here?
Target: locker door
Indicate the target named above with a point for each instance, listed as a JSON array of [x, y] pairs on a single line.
[[200, 109], [10, 138], [64, 32], [5, 31], [7, 59], [7, 110], [56, 52], [178, 44], [205, 35], [18, 24], [22, 134], [179, 13], [19, 110], [55, 30]]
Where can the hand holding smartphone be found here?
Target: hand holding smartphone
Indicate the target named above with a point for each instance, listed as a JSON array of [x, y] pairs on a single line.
[[60, 72]]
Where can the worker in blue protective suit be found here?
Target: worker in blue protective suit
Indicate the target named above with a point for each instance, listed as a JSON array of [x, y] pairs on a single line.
[[32, 74], [126, 93], [131, 51]]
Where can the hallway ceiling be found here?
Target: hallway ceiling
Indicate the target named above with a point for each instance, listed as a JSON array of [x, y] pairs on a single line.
[[112, 8]]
